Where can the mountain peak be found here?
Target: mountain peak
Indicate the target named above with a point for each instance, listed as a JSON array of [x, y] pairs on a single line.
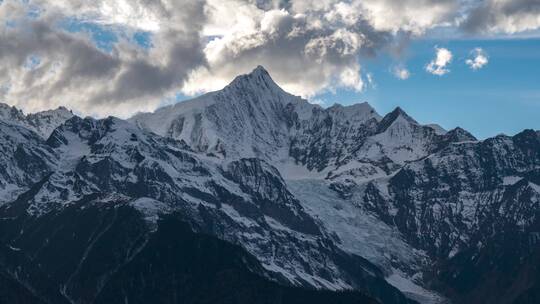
[[459, 135], [4, 106], [399, 112], [8, 112], [359, 111], [389, 118], [260, 70], [62, 109], [258, 78]]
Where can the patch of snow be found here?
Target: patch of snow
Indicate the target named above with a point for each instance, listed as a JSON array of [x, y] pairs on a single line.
[[359, 232], [73, 151], [535, 187], [151, 208], [511, 180], [437, 128], [414, 291], [14, 248], [292, 171]]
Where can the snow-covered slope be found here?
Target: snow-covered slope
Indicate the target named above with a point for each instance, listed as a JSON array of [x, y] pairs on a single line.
[[344, 146], [253, 117], [25, 159], [460, 195], [244, 201], [43, 123], [245, 119]]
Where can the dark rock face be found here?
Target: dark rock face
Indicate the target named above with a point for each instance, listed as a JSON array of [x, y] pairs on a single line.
[[473, 207], [179, 266], [330, 136], [24, 159], [41, 123], [264, 182], [100, 251], [478, 170]]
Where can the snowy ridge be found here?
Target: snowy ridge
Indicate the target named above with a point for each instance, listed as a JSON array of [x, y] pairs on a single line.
[[43, 123], [246, 119], [488, 175], [253, 117], [24, 160]]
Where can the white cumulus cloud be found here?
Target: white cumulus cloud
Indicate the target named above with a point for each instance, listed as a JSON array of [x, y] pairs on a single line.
[[439, 65], [479, 59]]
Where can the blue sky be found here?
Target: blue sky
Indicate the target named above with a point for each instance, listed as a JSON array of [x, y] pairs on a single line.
[[502, 97]]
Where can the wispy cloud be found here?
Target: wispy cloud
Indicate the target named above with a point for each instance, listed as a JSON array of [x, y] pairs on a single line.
[[401, 72], [317, 101]]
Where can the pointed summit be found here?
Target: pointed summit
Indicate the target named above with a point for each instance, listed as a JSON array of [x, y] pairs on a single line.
[[10, 113], [391, 117], [258, 78], [398, 111], [458, 135], [260, 70]]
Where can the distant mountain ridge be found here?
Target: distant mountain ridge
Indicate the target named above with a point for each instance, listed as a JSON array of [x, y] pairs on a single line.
[[253, 117], [43, 123]]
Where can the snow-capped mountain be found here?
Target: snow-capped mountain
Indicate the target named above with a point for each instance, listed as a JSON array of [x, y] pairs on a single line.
[[43, 123], [253, 117], [331, 198], [358, 154], [24, 160], [24, 156], [462, 191], [474, 207], [245, 119], [111, 162]]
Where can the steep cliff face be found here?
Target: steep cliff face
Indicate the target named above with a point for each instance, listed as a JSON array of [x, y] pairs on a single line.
[[248, 118], [24, 160], [464, 193], [474, 207]]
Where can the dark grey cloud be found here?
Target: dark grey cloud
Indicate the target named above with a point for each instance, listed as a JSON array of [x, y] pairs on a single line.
[[74, 72], [503, 16]]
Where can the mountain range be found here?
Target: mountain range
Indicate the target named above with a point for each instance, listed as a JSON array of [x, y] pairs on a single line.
[[253, 195]]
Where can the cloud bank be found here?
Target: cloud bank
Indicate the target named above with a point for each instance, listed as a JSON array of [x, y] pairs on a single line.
[[504, 16], [195, 46]]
